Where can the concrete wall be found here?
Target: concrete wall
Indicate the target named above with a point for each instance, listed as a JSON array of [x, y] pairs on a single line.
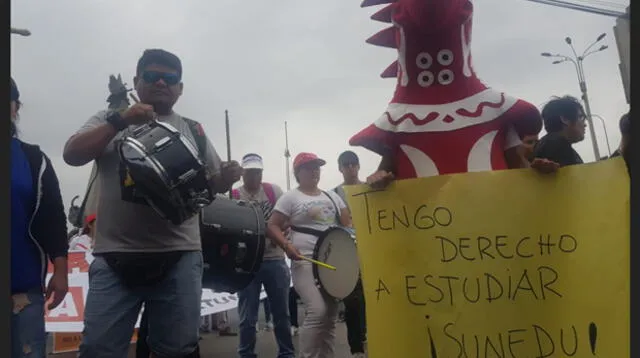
[[621, 31]]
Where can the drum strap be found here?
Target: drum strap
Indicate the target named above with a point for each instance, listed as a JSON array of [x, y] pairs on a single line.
[[198, 136], [306, 230], [335, 207], [314, 232]]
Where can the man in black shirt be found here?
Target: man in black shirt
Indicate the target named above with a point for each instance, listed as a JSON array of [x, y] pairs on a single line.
[[625, 132], [564, 121]]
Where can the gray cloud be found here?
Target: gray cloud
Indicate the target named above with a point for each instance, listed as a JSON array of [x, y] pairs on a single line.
[[303, 62]]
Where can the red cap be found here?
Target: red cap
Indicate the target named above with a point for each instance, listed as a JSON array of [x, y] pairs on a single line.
[[306, 158], [91, 218]]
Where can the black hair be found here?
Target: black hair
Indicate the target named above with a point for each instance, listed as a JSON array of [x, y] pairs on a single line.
[[625, 125], [14, 94], [15, 97], [348, 157], [559, 108], [159, 57], [251, 155]]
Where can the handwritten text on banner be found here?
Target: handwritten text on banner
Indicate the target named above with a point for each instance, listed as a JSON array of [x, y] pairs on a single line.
[[497, 264]]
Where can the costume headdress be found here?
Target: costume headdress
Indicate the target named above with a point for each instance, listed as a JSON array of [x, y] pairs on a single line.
[[442, 118]]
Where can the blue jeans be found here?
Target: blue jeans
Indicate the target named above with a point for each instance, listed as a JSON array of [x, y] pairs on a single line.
[[173, 305], [267, 311], [28, 336], [276, 278]]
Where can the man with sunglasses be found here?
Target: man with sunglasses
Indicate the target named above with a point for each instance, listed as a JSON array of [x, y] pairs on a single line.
[[132, 240], [354, 306]]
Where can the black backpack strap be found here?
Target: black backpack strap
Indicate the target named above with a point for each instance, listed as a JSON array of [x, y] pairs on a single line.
[[338, 222], [78, 220], [198, 136]]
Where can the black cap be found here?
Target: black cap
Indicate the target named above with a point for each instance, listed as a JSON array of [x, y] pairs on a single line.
[[625, 124], [348, 157], [15, 94]]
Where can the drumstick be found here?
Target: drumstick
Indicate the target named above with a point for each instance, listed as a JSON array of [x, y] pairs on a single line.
[[319, 263]]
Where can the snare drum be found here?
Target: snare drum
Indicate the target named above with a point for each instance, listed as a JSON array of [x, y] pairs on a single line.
[[337, 247], [166, 170], [233, 242]]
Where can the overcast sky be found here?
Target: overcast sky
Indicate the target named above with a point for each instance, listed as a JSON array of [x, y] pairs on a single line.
[[268, 62]]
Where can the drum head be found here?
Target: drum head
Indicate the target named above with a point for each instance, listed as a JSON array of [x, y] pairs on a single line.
[[337, 248], [165, 171]]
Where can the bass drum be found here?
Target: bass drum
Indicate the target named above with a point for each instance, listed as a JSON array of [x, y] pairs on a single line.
[[233, 241]]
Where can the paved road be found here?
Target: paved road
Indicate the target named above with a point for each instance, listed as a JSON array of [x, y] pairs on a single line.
[[225, 347], [214, 346]]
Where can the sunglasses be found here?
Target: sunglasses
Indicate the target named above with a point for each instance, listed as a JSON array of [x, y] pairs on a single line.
[[155, 76]]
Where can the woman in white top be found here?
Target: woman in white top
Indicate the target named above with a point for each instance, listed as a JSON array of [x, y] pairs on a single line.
[[84, 241], [311, 208]]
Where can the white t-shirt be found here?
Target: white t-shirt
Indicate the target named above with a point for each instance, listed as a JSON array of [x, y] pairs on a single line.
[[313, 212], [81, 243]]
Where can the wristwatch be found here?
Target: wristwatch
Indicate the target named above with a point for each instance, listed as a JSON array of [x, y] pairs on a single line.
[[116, 121]]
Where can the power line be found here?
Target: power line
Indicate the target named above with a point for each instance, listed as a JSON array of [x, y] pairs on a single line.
[[584, 8], [617, 6]]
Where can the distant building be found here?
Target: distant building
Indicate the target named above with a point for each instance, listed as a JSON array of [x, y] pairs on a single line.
[[621, 31]]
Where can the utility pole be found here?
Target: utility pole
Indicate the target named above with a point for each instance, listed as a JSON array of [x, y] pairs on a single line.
[[228, 130], [287, 156], [577, 62], [604, 127]]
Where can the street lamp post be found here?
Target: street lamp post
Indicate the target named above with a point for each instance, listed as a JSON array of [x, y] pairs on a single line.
[[577, 62], [604, 127], [287, 155], [21, 32]]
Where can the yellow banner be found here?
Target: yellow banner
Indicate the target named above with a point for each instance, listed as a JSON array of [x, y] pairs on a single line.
[[497, 264]]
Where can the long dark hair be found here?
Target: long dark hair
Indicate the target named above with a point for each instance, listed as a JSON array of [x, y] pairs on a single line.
[[14, 127], [15, 97]]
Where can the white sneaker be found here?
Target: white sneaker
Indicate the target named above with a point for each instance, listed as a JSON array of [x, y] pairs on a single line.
[[268, 326]]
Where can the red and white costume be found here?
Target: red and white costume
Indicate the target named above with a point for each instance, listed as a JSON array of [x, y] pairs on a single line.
[[442, 118]]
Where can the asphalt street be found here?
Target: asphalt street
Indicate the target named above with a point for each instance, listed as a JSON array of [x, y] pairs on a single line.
[[214, 346]]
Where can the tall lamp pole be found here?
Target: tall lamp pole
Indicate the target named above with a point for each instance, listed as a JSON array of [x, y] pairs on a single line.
[[287, 155], [604, 127], [577, 62]]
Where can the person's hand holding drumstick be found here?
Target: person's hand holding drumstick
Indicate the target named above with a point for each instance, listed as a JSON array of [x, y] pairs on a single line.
[[276, 226], [139, 113]]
